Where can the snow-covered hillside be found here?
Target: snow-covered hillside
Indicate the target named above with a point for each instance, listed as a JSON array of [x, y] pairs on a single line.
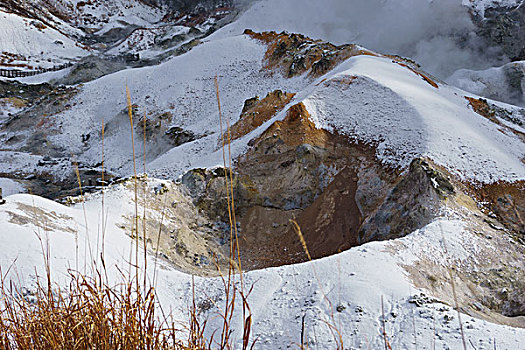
[[352, 282], [36, 34], [73, 16], [439, 35], [30, 44], [421, 120], [407, 189], [504, 83]]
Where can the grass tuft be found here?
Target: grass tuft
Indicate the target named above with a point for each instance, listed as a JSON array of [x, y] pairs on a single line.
[[88, 314]]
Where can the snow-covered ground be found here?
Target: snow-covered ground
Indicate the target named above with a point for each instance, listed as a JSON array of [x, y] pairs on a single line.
[[10, 187], [106, 15], [388, 105], [481, 5], [72, 16], [344, 289], [41, 78], [30, 44], [505, 83], [422, 120], [182, 86], [8, 107], [34, 44], [423, 30]]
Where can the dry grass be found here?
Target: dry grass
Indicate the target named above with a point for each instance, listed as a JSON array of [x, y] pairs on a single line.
[[86, 315], [232, 291]]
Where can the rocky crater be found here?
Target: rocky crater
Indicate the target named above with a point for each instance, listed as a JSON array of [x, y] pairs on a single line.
[[342, 196], [336, 190]]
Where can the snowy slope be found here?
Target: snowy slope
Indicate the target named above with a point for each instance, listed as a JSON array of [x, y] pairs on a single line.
[[481, 5], [60, 32], [353, 281], [420, 120], [182, 86], [437, 123], [74, 16], [10, 187], [33, 44], [506, 83], [106, 15], [386, 105]]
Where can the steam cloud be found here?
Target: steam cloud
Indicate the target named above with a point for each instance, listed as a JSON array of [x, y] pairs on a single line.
[[438, 34]]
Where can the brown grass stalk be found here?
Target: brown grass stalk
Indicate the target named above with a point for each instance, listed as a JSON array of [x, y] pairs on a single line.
[[235, 264], [453, 285], [332, 326], [87, 241], [130, 115], [227, 314], [383, 322], [144, 238], [88, 313], [103, 194]]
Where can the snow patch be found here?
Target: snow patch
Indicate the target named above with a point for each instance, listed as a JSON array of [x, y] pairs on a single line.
[[10, 187]]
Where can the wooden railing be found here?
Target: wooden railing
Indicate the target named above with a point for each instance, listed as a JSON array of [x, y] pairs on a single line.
[[14, 73]]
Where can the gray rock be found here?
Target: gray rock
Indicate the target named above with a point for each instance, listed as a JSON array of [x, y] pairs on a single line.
[[504, 27], [91, 68]]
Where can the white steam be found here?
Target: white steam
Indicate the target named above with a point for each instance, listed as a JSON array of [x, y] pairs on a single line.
[[437, 34]]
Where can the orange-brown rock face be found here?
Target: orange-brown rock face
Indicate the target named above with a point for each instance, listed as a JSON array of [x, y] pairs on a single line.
[[494, 113], [507, 202], [481, 107], [296, 129], [256, 112], [295, 54], [336, 190], [301, 172]]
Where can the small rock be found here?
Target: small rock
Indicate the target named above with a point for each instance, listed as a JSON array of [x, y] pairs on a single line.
[[448, 318]]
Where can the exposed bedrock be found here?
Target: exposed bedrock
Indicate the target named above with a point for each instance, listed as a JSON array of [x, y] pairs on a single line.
[[336, 190], [505, 27]]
